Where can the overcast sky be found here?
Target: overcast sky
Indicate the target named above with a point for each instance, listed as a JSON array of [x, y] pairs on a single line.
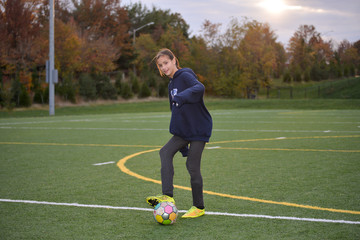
[[335, 19]]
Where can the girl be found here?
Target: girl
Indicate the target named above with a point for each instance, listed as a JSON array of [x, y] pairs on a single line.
[[191, 126]]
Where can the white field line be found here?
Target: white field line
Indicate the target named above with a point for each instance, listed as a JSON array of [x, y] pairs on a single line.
[[95, 129], [114, 119], [166, 129], [277, 122], [104, 163], [215, 147], [157, 121], [181, 211]]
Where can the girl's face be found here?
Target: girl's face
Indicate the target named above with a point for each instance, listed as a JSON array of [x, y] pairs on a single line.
[[167, 66]]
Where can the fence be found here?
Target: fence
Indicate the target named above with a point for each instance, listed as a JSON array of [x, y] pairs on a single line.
[[330, 89]]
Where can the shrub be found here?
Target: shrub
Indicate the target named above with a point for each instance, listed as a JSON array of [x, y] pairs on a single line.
[[6, 99], [315, 73], [297, 75], [135, 86], [152, 81], [104, 88], [16, 91], [118, 82], [24, 98], [287, 77], [126, 92], [39, 96], [163, 90], [87, 87], [307, 76], [67, 88], [144, 91], [108, 91]]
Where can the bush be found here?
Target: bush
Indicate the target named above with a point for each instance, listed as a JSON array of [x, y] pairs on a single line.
[[163, 91], [108, 91], [297, 75], [104, 88], [87, 87], [24, 98], [315, 73], [287, 77], [126, 92], [152, 81], [135, 87], [6, 99], [144, 91], [15, 91], [118, 82], [39, 96], [307, 76], [67, 88]]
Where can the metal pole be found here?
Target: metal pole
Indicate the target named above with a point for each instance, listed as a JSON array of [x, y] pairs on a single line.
[[134, 68], [134, 39], [51, 60]]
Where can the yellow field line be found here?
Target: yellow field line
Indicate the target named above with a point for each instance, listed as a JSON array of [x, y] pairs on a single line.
[[285, 138], [123, 168], [284, 149], [152, 146], [78, 144]]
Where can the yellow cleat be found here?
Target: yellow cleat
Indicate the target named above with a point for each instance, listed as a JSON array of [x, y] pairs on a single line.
[[194, 212], [154, 200]]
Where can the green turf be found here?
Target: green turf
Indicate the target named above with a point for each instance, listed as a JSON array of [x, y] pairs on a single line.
[[306, 157], [162, 106]]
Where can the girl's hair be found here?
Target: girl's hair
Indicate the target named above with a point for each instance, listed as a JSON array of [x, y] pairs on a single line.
[[165, 52]]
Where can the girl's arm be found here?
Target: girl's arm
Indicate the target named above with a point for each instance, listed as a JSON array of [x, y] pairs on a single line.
[[192, 94]]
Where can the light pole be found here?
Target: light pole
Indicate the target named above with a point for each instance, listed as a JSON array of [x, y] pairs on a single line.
[[134, 38], [51, 72]]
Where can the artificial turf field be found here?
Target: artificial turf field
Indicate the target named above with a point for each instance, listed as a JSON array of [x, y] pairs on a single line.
[[268, 174]]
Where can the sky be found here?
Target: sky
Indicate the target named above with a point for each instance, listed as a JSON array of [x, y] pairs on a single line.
[[334, 19]]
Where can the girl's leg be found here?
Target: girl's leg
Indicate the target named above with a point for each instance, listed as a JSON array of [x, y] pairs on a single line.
[[167, 153], [193, 163]]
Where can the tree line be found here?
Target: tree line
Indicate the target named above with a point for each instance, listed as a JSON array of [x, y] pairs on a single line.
[[97, 51]]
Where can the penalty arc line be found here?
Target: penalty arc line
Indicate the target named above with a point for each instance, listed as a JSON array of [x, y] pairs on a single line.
[[182, 211], [123, 168]]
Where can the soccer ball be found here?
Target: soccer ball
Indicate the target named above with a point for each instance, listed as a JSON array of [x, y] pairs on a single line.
[[165, 213]]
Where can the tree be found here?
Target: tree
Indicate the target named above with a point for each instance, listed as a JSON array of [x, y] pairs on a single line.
[[104, 24], [248, 57], [18, 30], [348, 54], [300, 46], [140, 15], [146, 49], [307, 49], [67, 48], [210, 33], [259, 49]]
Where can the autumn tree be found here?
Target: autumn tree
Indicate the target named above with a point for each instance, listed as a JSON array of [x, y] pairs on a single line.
[[348, 57], [247, 58], [103, 28], [308, 51], [18, 30], [258, 48], [140, 15]]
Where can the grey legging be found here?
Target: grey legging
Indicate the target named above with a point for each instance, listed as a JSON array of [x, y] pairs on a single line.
[[193, 162]]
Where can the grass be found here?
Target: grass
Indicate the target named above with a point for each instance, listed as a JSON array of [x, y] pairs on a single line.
[[211, 103], [301, 156]]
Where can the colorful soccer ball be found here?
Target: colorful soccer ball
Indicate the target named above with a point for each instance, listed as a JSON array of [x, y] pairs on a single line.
[[165, 213]]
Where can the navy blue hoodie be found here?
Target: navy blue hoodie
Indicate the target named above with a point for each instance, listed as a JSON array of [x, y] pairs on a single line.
[[190, 119]]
